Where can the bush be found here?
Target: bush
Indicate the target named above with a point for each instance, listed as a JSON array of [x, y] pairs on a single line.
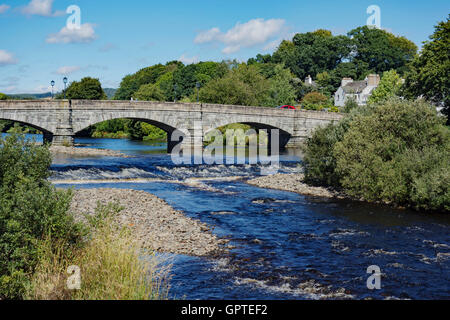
[[350, 105], [30, 208], [3, 96], [110, 263], [315, 101], [396, 152]]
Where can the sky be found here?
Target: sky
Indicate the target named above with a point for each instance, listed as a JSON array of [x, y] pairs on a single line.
[[116, 38]]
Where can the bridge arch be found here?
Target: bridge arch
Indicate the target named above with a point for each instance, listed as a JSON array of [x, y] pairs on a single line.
[[284, 136], [46, 133], [169, 129]]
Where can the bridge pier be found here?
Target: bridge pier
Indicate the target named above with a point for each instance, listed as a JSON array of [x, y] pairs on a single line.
[[296, 142], [63, 136]]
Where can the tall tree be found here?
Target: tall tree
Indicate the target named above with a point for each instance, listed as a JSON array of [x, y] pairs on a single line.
[[243, 85], [88, 89], [313, 52], [429, 75], [389, 86], [381, 50]]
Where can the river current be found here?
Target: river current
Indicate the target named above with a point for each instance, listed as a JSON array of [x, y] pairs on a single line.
[[286, 246]]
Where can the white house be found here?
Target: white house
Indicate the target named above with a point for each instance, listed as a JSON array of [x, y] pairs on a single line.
[[358, 90]]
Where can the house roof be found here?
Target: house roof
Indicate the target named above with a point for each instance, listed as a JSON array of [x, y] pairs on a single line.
[[355, 86]]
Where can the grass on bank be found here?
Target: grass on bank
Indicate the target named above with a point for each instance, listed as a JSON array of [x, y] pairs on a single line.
[[39, 238], [111, 263]]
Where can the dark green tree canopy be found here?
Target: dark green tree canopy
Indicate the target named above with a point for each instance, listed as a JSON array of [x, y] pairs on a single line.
[[87, 89], [313, 52], [381, 50], [429, 75]]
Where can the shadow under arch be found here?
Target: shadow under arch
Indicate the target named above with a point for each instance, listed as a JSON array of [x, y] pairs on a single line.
[[171, 131], [47, 135], [283, 136]]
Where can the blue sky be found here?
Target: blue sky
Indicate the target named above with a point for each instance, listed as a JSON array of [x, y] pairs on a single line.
[[117, 38]]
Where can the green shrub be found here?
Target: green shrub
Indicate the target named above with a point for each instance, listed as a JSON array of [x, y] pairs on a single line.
[[396, 152], [3, 96], [30, 208], [350, 105], [315, 101]]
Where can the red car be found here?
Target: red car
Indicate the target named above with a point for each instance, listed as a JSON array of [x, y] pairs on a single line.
[[287, 107]]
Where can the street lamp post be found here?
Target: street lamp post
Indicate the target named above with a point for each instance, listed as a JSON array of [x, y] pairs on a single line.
[[53, 84], [198, 89], [65, 83]]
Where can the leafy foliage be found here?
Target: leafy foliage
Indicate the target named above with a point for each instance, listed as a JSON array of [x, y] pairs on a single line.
[[3, 96], [87, 89], [243, 85], [429, 75], [389, 86], [315, 101], [395, 152], [149, 92], [30, 208]]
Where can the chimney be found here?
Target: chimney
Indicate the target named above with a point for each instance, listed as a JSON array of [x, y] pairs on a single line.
[[373, 80], [346, 81]]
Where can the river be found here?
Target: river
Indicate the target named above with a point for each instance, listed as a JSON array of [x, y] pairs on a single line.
[[287, 246]]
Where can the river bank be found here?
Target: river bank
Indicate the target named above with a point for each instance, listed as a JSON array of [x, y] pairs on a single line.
[[85, 152], [294, 183], [158, 226]]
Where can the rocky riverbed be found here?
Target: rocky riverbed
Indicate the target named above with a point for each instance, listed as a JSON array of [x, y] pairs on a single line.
[[293, 183], [85, 152], [157, 224]]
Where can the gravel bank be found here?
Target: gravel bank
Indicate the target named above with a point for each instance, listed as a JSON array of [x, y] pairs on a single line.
[[157, 225], [85, 152], [293, 183]]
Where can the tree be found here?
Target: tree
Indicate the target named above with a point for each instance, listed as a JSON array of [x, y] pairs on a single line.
[[313, 52], [31, 208], [397, 153], [381, 50], [150, 75], [281, 91], [149, 92], [243, 85], [88, 89], [389, 86], [429, 75], [3, 96], [315, 101]]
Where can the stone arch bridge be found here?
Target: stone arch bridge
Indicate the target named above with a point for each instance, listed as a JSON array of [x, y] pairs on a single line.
[[61, 120]]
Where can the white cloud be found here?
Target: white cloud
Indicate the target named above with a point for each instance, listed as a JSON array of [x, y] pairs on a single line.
[[84, 34], [188, 60], [40, 8], [7, 58], [66, 70], [249, 34], [4, 8]]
